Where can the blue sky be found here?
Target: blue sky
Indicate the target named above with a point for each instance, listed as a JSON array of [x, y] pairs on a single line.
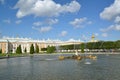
[[60, 19]]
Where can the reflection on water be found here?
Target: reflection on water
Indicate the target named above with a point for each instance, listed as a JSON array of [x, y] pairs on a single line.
[[87, 61], [48, 67]]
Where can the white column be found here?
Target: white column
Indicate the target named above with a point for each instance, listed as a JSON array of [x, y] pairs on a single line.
[[6, 47]]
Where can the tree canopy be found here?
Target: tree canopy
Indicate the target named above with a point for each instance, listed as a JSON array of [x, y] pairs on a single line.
[[25, 50], [51, 49], [0, 51], [19, 50], [93, 45], [37, 49], [32, 49]]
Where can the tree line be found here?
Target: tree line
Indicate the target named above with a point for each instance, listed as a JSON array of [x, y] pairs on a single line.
[[32, 49], [104, 45], [100, 45]]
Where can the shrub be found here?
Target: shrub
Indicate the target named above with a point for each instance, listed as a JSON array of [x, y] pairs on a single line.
[[31, 49]]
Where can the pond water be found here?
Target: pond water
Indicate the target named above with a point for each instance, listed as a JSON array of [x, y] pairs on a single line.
[[48, 67]]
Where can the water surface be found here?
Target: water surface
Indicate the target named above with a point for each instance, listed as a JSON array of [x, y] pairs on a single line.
[[48, 67]]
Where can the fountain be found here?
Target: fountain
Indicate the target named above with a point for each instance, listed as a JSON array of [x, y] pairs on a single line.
[[76, 56]]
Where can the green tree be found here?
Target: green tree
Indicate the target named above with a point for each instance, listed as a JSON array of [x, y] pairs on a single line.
[[19, 50], [37, 49], [117, 44], [51, 49], [82, 48], [32, 49], [70, 47], [90, 45], [25, 50], [43, 49], [0, 51]]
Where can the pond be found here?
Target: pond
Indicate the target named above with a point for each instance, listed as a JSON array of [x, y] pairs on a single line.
[[48, 67]]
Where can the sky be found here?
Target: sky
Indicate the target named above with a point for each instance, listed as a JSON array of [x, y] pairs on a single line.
[[60, 19]]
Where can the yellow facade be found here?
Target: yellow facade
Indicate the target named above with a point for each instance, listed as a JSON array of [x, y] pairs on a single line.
[[3, 46], [10, 45]]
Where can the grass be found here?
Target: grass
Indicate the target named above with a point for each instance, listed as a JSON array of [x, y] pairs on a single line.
[[13, 55], [2, 55]]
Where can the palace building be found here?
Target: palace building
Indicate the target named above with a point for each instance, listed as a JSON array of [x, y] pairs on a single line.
[[8, 45]]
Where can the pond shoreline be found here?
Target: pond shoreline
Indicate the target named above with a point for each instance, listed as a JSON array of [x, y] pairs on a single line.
[[36, 54]]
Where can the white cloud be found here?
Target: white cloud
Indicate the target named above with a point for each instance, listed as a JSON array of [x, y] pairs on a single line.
[[117, 19], [37, 23], [43, 29], [112, 11], [106, 29], [7, 21], [44, 8], [115, 27], [18, 21], [63, 33], [51, 21], [89, 22], [80, 22], [104, 35], [96, 34], [47, 25], [72, 40], [2, 1]]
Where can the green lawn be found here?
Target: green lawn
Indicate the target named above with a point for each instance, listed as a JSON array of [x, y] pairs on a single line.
[[13, 55]]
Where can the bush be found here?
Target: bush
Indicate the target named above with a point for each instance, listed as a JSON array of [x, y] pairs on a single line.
[[43, 49], [0, 51], [25, 50], [19, 50], [32, 49], [37, 49], [50, 49], [82, 48]]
